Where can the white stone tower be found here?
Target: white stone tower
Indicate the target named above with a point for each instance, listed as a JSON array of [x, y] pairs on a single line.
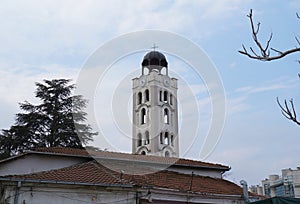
[[155, 112]]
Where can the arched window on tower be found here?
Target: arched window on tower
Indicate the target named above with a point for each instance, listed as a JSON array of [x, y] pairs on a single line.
[[172, 140], [171, 99], [139, 101], [164, 71], [146, 95], [167, 154], [166, 116], [161, 138], [145, 71], [160, 95], [143, 116], [165, 96], [139, 142], [166, 139], [147, 138]]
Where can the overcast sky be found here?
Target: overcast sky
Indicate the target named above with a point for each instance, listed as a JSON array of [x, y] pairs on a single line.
[[54, 39]]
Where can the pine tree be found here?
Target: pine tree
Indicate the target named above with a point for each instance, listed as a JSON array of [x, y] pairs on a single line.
[[57, 121]]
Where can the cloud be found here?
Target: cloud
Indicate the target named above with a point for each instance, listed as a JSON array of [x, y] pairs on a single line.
[[294, 4], [17, 84], [238, 100], [232, 65], [237, 105], [250, 144], [264, 88], [68, 31]]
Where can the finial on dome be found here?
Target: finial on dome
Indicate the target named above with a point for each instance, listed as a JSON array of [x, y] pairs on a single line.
[[154, 46]]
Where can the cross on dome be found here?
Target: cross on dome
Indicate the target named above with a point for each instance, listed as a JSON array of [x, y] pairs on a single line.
[[154, 46]]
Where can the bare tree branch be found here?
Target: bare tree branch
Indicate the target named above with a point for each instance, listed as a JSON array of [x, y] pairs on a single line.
[[289, 111], [297, 40], [265, 51]]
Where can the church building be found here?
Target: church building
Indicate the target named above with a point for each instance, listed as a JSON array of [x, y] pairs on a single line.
[[152, 173]]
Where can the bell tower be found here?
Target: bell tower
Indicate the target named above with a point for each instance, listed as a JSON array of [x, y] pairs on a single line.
[[155, 111]]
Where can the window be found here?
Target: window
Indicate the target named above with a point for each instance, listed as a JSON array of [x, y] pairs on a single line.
[[145, 71], [164, 71], [143, 116], [279, 190], [166, 116], [161, 138], [165, 96], [147, 140], [146, 95], [166, 140], [267, 189], [160, 95], [172, 140], [139, 98], [167, 154], [171, 99], [143, 153], [139, 140]]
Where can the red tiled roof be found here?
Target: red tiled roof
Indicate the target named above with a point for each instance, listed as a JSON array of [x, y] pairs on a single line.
[[63, 150], [94, 173], [89, 172], [132, 157], [184, 182]]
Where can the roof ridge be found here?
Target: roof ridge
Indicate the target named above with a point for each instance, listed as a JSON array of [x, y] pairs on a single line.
[[100, 167], [48, 171], [123, 155]]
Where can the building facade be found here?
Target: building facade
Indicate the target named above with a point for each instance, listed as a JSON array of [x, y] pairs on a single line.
[[285, 185], [85, 180], [155, 109]]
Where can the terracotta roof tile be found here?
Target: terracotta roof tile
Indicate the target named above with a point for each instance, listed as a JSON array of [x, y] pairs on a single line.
[[63, 150], [94, 173], [132, 157], [89, 172], [195, 183]]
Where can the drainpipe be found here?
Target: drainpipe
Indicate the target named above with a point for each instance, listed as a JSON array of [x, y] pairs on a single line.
[[245, 190], [17, 192], [137, 197]]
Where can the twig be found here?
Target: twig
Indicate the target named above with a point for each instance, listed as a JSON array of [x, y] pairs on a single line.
[[289, 112], [265, 51]]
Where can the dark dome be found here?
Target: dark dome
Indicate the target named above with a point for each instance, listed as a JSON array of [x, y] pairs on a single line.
[[154, 58]]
